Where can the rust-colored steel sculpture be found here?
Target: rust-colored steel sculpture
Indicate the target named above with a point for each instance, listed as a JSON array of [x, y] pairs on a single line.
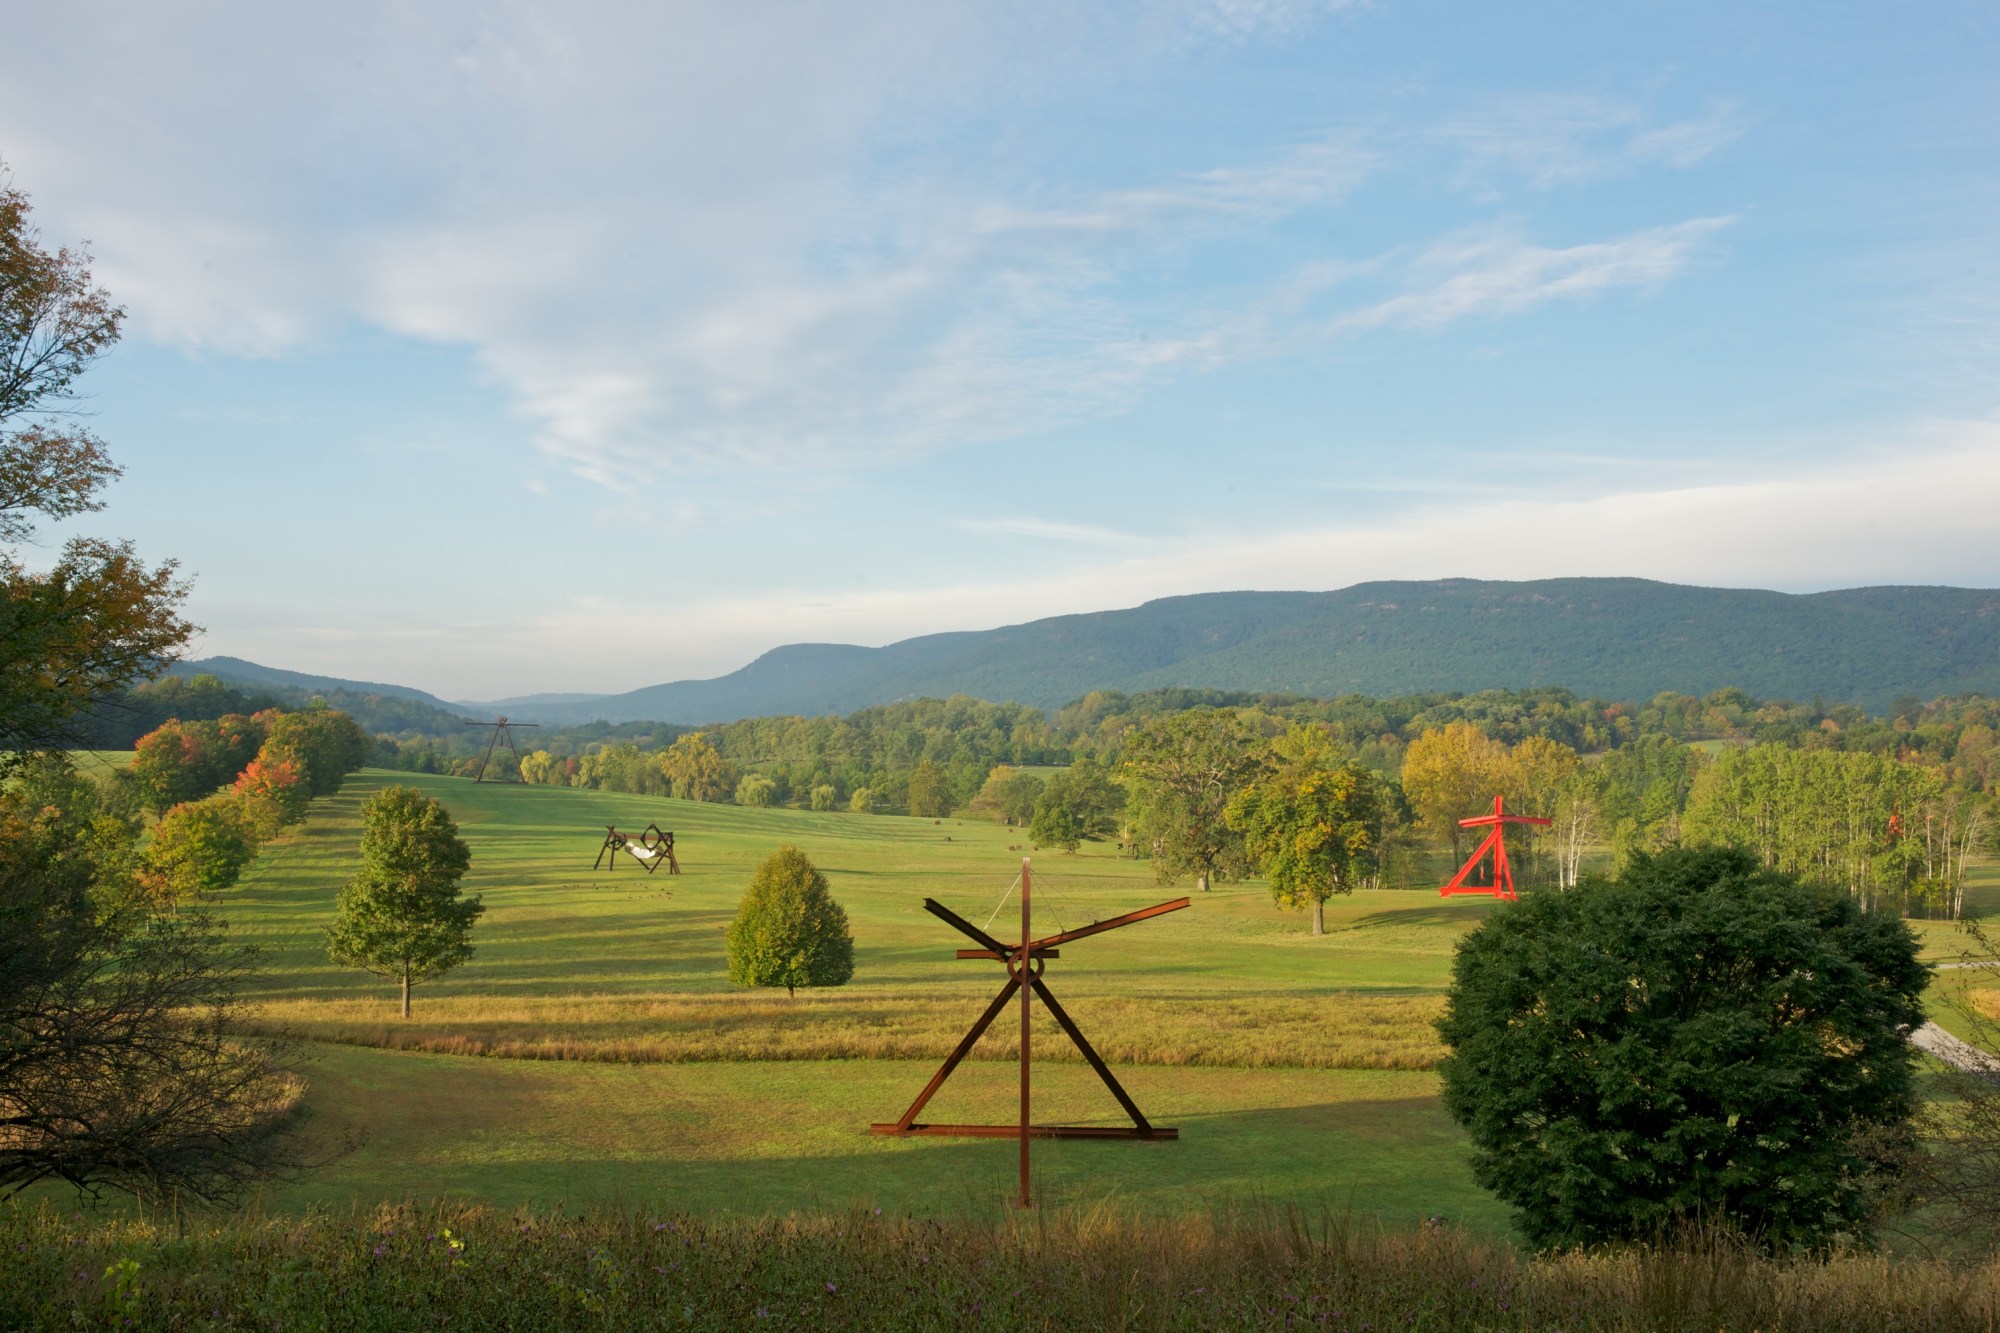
[[502, 730], [1025, 963], [651, 849], [1501, 881]]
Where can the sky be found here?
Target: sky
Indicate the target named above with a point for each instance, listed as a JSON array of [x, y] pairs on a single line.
[[499, 348]]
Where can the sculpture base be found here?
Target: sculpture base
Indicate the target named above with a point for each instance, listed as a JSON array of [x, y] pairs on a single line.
[[1034, 1131]]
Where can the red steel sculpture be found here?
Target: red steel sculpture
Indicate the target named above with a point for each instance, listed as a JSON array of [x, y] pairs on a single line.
[[1025, 962], [1500, 883]]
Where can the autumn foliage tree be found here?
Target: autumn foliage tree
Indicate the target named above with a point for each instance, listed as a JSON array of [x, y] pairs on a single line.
[[1453, 772], [99, 616], [117, 1063], [696, 771]]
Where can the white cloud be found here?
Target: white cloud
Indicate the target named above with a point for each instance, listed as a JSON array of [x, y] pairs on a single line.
[[704, 238], [1042, 529], [1556, 139], [1499, 275]]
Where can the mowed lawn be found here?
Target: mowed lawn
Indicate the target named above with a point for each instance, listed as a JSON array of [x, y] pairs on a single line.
[[1215, 1016], [1298, 1069]]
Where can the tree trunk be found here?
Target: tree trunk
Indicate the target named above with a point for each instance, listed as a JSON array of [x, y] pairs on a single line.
[[406, 990], [1319, 916], [1201, 879]]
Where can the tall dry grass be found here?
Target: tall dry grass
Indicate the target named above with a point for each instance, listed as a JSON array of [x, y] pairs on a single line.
[[1322, 1032], [1092, 1269]]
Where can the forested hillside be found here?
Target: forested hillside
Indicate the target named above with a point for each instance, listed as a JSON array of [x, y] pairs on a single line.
[[1612, 638]]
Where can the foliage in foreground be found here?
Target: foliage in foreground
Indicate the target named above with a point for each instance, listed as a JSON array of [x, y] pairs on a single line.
[[453, 1267], [1701, 1039], [118, 1066]]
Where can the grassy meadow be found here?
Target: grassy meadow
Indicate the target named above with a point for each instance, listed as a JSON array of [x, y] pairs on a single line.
[[593, 1051], [1297, 1070]]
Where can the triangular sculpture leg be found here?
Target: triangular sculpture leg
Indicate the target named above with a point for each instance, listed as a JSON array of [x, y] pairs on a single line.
[[1090, 1054], [964, 1048]]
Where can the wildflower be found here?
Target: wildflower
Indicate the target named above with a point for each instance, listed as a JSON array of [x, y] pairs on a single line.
[[830, 1286]]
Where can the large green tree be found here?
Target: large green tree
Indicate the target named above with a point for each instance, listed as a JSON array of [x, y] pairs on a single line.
[[1313, 824], [99, 617], [402, 917], [117, 1064], [1701, 1040], [1078, 802], [1183, 769], [788, 930]]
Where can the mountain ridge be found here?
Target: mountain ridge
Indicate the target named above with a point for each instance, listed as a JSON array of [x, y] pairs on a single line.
[[1617, 638]]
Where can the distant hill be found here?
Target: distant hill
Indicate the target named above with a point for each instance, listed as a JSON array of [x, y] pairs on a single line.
[[1615, 638], [240, 672]]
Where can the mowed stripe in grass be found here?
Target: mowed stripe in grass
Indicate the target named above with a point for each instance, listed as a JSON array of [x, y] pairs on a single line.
[[774, 1137], [622, 965]]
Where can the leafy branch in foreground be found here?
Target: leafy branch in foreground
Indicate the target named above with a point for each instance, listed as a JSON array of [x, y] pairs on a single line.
[[117, 1067]]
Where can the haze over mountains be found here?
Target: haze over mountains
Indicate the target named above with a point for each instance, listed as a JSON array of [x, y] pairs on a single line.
[[1613, 638]]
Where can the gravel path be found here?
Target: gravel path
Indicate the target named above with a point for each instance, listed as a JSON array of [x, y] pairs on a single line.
[[1958, 1054]]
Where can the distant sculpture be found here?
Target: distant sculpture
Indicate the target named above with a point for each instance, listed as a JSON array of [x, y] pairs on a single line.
[[651, 849], [1500, 878]]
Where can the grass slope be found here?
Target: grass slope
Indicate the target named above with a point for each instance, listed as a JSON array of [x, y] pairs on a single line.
[[1296, 1069]]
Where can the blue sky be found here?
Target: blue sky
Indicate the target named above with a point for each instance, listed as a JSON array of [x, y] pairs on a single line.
[[494, 348]]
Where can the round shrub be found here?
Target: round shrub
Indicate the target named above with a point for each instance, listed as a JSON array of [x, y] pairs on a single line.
[[1698, 1042], [789, 931]]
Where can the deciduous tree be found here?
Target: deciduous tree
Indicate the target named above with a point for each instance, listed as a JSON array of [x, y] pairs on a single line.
[[1453, 772], [198, 847], [99, 617], [1183, 769], [402, 917], [788, 930], [696, 771], [117, 1067], [1312, 823], [930, 791], [1078, 802]]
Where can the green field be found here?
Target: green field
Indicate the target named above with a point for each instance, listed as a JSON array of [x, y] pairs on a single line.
[[594, 1051], [1297, 1069]]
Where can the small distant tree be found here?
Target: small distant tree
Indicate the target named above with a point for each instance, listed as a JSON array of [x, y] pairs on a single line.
[[325, 744], [1700, 1041], [198, 848], [862, 801], [1008, 796], [789, 931], [169, 767], [1313, 823], [1452, 773], [823, 796], [1184, 768], [402, 917], [273, 795], [756, 790], [696, 771], [930, 790], [1078, 802]]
